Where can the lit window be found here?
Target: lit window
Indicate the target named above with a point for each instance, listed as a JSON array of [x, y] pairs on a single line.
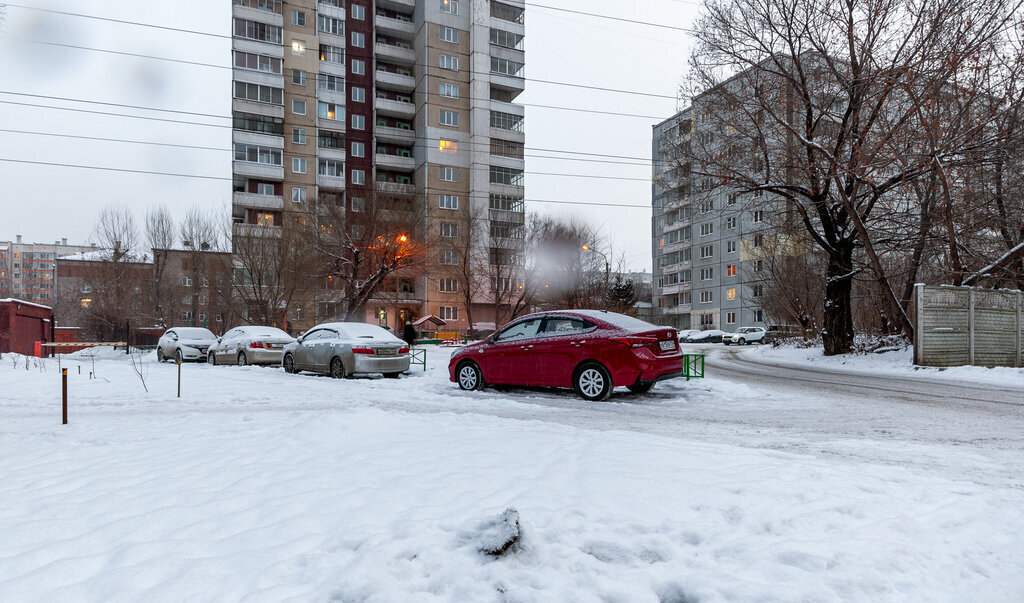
[[450, 7], [86, 302], [730, 270], [265, 219], [298, 47], [448, 146], [730, 293]]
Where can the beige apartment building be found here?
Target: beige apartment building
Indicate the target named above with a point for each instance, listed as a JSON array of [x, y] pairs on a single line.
[[344, 102], [27, 269]]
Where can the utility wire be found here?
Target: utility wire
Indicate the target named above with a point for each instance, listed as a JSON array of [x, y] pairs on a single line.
[[122, 21]]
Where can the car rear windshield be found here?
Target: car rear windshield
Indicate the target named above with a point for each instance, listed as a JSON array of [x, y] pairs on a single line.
[[266, 332], [365, 331], [194, 333], [626, 322]]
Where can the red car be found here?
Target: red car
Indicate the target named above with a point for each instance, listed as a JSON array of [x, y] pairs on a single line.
[[588, 350]]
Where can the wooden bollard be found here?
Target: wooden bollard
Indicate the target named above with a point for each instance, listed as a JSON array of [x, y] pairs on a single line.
[[64, 393]]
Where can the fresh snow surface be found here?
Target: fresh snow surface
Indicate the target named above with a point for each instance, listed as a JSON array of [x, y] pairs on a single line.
[[256, 485]]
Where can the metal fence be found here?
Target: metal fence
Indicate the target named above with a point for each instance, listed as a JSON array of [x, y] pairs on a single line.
[[957, 326]]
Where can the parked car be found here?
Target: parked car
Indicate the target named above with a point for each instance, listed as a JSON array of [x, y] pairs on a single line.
[[709, 336], [589, 351], [184, 343], [249, 345], [683, 334], [745, 335], [342, 349]]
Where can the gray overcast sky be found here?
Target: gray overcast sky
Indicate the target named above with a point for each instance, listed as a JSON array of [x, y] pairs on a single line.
[[45, 203]]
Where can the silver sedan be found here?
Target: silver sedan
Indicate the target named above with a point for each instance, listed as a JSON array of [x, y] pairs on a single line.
[[184, 343], [249, 345], [341, 349]]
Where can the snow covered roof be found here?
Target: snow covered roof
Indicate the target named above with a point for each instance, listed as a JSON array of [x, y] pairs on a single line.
[[27, 303], [100, 255]]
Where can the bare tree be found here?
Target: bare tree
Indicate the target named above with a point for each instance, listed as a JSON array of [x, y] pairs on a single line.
[[159, 234]]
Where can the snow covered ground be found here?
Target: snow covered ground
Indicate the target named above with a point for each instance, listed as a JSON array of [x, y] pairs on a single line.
[[261, 486]]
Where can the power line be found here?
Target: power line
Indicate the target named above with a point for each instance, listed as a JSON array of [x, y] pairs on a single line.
[[121, 21], [610, 17]]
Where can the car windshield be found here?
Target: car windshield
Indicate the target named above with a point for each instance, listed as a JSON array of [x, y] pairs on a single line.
[[194, 333]]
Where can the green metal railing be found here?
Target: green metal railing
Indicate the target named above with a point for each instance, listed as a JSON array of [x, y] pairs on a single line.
[[418, 356], [693, 366]]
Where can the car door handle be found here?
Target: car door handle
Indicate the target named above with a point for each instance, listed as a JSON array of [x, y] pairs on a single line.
[[577, 344], [526, 347]]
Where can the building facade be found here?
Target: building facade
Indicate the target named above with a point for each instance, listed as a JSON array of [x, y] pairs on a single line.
[[27, 269], [409, 104], [708, 241]]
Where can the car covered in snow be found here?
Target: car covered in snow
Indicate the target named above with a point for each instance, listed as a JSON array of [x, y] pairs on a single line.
[[708, 336], [342, 349], [684, 334], [745, 335], [249, 345], [184, 343], [590, 351]]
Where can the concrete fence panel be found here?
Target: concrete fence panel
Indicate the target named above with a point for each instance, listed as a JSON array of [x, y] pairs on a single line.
[[957, 326]]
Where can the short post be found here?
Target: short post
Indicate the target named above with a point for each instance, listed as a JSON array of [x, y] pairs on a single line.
[[64, 393], [970, 327], [179, 378], [127, 342]]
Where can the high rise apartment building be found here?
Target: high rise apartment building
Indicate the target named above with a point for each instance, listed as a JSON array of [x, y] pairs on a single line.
[[346, 101], [707, 241], [27, 269]]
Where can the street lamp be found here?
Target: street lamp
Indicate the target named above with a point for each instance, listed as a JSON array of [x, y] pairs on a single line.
[[401, 239], [607, 270]]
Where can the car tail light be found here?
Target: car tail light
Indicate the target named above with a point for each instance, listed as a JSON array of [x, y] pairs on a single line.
[[257, 345], [362, 350], [403, 350], [635, 342]]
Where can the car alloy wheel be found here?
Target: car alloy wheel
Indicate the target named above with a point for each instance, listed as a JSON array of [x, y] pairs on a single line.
[[593, 382], [212, 359], [289, 364], [743, 341], [242, 360], [337, 368], [177, 357], [469, 376]]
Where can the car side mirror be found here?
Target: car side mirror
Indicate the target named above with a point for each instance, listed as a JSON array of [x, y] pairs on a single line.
[[219, 339]]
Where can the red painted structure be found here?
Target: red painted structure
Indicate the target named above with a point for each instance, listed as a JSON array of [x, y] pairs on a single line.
[[22, 324]]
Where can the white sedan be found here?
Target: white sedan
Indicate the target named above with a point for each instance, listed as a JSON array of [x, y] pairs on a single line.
[[249, 345], [745, 335], [341, 349], [184, 343]]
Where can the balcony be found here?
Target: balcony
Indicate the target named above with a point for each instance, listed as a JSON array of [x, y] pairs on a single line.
[[398, 28], [330, 153], [337, 125], [254, 201], [270, 15], [509, 162], [396, 188], [502, 215], [395, 162], [329, 10], [264, 171], [257, 138], [336, 97], [263, 78], [395, 108], [333, 182], [256, 230], [394, 80], [509, 83], [401, 6], [398, 54], [330, 39], [244, 106], [395, 135], [332, 68]]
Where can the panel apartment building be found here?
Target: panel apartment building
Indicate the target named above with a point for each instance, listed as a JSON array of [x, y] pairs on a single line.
[[27, 269], [336, 101], [707, 244]]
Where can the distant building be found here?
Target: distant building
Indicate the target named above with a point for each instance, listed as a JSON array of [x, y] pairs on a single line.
[[26, 269], [22, 324]]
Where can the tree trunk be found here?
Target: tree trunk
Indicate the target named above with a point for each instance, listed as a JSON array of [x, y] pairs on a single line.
[[837, 334]]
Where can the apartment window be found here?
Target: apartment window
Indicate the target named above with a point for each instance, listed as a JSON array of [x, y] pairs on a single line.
[[730, 270], [298, 194], [298, 136], [298, 77], [449, 90], [186, 281], [257, 62], [506, 230], [259, 123], [358, 39], [330, 111], [299, 47], [358, 67], [332, 54], [358, 204], [447, 285], [331, 167], [449, 230], [506, 12], [730, 318], [757, 290], [448, 312], [334, 83], [448, 174], [448, 201], [358, 177], [358, 95], [506, 67], [757, 266], [707, 229], [685, 276], [264, 188], [506, 121], [706, 274], [330, 25], [506, 203], [449, 34], [265, 219], [450, 6], [706, 206], [758, 240], [732, 198], [707, 251], [358, 122], [298, 106], [706, 297], [449, 62], [730, 293], [449, 118], [730, 222], [758, 315], [298, 165], [730, 246], [257, 31], [449, 258], [299, 18], [259, 94], [758, 216], [506, 175], [358, 149], [507, 148], [256, 154], [506, 39], [357, 12], [447, 146]]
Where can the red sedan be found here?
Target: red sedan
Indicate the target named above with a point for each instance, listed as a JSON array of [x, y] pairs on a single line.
[[588, 350]]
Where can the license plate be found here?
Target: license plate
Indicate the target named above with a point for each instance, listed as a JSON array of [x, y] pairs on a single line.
[[667, 345], [275, 346], [387, 352]]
